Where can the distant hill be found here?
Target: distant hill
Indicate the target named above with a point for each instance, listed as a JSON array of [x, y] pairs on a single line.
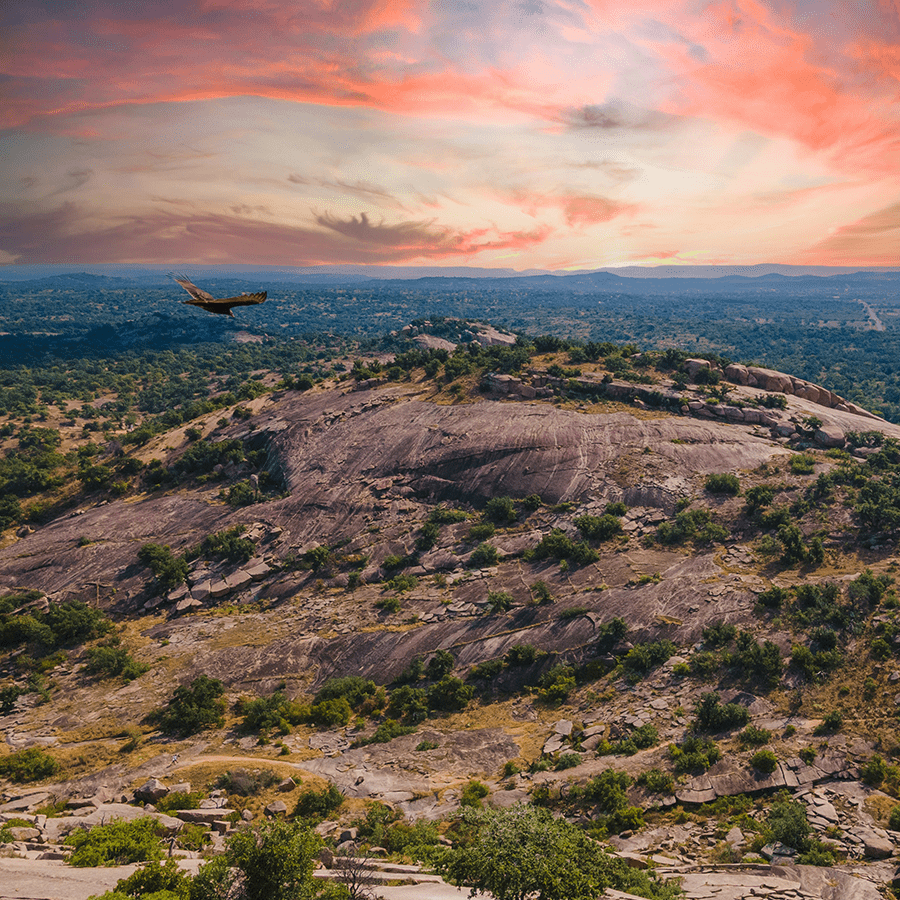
[[148, 274]]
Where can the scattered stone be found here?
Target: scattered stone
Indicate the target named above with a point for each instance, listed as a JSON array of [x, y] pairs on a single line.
[[276, 808], [151, 791]]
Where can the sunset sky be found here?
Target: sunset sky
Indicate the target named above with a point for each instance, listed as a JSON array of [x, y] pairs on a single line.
[[560, 134]]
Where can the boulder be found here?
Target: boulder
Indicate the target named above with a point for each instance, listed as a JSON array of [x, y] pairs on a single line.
[[875, 846], [770, 380], [693, 366], [204, 816], [830, 435], [276, 808], [151, 791], [737, 374]]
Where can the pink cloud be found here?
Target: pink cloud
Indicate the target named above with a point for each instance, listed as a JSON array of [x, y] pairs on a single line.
[[764, 73], [180, 235]]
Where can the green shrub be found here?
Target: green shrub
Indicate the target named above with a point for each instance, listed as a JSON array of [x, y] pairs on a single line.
[[541, 592], [30, 764], [353, 688], [764, 761], [808, 755], [756, 498], [331, 713], [818, 854], [558, 545], [168, 569], [450, 694], [868, 588], [573, 612], [440, 664], [193, 837], [388, 605], [409, 703], [874, 771], [610, 633], [802, 464], [556, 684], [441, 515], [656, 781], [894, 819], [193, 707], [500, 511], [117, 843], [318, 805], [499, 601], [487, 669], [244, 783], [427, 745], [269, 713], [473, 793], [428, 537], [153, 881], [694, 754], [703, 664], [759, 662], [567, 761], [179, 800], [481, 532], [711, 716], [401, 583], [831, 723], [274, 861], [484, 555], [723, 483], [111, 661], [523, 655], [788, 824], [229, 544], [599, 528], [641, 658], [754, 736], [773, 597], [691, 524], [719, 634], [387, 731], [640, 739]]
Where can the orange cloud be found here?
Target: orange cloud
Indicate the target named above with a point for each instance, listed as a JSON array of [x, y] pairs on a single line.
[[871, 241], [578, 209]]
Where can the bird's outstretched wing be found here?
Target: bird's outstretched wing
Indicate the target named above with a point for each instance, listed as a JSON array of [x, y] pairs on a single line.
[[211, 304], [191, 288], [244, 299]]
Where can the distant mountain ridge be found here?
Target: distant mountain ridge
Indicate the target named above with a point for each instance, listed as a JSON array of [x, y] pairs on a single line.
[[352, 274]]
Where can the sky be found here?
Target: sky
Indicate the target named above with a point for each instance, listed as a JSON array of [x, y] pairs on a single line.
[[552, 134]]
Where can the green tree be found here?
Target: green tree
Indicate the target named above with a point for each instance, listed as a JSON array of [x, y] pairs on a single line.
[[273, 862], [170, 570], [194, 707], [524, 852]]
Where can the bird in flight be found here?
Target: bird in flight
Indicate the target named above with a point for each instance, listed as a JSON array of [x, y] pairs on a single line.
[[211, 304]]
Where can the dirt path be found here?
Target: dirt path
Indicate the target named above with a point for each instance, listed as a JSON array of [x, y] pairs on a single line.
[[877, 324]]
